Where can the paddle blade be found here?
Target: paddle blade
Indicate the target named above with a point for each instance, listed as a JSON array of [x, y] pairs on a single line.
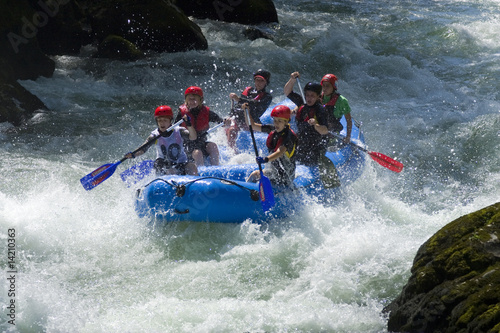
[[386, 161], [97, 176], [266, 193]]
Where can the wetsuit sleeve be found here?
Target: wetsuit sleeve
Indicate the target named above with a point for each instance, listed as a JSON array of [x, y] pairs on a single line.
[[296, 98], [214, 117], [184, 133], [178, 117], [148, 140], [267, 128]]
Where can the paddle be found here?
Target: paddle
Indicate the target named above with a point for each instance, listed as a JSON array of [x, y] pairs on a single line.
[[105, 171], [215, 127], [301, 92], [380, 158], [265, 187]]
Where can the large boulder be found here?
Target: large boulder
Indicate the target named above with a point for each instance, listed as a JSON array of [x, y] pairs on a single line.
[[238, 11], [455, 279], [155, 25], [20, 58], [60, 26]]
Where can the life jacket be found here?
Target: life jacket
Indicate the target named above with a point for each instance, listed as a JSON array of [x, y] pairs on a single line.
[[330, 107], [332, 101], [311, 112], [200, 121], [170, 148], [275, 139], [257, 97]]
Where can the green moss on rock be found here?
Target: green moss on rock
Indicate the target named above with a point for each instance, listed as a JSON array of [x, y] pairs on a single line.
[[117, 47], [455, 281]]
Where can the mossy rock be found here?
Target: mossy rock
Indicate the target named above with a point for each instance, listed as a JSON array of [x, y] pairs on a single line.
[[455, 280], [116, 47]]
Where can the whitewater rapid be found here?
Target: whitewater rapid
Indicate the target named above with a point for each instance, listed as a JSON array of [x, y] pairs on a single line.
[[421, 77]]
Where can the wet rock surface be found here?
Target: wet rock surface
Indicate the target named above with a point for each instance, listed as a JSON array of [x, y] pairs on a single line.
[[455, 279]]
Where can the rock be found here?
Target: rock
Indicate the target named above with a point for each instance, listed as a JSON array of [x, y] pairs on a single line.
[[16, 103], [116, 47], [60, 25], [455, 279], [237, 11], [20, 58], [253, 33], [124, 29], [154, 25], [20, 53]]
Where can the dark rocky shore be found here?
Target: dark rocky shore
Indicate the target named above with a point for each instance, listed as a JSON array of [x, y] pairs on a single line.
[[455, 279], [33, 30]]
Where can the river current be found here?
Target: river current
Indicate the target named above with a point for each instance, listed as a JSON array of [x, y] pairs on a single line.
[[421, 77]]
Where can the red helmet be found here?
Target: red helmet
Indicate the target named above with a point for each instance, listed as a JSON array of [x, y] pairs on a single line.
[[164, 111], [330, 78], [194, 91], [281, 111]]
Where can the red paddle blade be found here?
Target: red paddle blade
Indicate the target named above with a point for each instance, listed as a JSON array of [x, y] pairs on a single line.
[[386, 161]]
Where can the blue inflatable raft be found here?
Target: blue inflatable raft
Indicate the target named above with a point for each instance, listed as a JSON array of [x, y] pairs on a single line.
[[220, 193]]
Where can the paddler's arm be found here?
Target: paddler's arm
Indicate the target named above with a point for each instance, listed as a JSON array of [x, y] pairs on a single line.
[[274, 156], [143, 150], [321, 129], [291, 82], [190, 128]]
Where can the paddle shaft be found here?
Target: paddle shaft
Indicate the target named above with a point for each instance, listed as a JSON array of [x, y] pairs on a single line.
[[301, 91], [250, 128], [265, 186]]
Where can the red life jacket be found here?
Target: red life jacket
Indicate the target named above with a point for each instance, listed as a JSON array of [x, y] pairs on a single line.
[[311, 113], [257, 97], [330, 107], [201, 121], [332, 101]]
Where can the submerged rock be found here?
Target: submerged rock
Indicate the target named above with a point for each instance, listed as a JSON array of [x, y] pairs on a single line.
[[455, 279]]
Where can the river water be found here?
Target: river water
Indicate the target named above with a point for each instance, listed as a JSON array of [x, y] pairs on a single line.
[[421, 77]]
